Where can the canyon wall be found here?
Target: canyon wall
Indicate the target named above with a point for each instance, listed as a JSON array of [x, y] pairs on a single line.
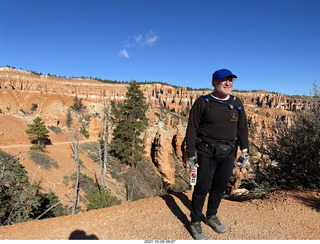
[[168, 110], [174, 99]]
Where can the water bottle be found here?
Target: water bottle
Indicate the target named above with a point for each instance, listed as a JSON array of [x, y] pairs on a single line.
[[193, 177], [243, 159]]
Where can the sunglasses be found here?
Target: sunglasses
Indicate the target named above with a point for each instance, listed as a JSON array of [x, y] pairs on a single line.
[[227, 79]]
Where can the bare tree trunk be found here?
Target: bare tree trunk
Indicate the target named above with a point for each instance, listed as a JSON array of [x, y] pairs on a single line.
[[133, 149], [75, 149], [101, 161], [105, 147], [106, 135], [134, 179], [47, 210]]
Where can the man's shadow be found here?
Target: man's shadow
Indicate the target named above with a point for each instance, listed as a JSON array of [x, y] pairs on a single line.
[[175, 209], [81, 235]]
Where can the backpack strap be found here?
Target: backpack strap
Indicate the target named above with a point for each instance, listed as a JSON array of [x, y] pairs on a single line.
[[207, 98], [231, 106]]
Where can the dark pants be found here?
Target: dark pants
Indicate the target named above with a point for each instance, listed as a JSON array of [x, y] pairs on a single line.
[[215, 173]]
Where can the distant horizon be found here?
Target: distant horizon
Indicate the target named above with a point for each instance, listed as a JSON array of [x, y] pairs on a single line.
[[142, 82]]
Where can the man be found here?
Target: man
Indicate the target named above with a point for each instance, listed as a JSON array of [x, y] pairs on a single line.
[[217, 125]]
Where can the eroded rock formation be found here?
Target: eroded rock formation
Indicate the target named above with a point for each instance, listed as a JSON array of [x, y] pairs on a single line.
[[174, 99], [164, 139]]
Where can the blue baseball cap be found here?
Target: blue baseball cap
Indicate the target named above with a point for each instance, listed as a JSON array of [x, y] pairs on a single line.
[[223, 73]]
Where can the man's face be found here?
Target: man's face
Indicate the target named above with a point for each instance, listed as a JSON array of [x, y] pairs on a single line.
[[223, 87]]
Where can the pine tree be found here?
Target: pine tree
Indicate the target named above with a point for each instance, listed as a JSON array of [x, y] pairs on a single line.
[[21, 201], [101, 198], [69, 119], [131, 120], [78, 105], [38, 133]]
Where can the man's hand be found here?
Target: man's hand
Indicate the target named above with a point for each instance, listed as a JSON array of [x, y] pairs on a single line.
[[243, 159], [193, 162]]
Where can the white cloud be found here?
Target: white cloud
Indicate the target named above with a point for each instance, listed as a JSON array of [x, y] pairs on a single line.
[[123, 53], [151, 40], [140, 40], [148, 39]]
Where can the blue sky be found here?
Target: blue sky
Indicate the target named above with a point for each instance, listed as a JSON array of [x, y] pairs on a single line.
[[271, 45]]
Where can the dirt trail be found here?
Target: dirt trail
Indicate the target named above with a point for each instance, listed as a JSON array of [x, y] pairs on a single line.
[[54, 143], [292, 215]]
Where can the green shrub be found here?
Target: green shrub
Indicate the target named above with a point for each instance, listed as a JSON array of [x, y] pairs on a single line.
[[101, 198], [84, 131], [34, 107], [24, 112], [141, 182], [92, 149], [43, 160], [48, 200], [66, 180], [181, 177], [296, 151], [55, 129], [19, 200], [86, 183]]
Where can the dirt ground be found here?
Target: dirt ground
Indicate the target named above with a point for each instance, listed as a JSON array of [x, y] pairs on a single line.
[[282, 215]]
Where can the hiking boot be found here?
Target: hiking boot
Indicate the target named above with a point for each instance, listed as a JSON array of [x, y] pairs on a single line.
[[197, 231], [215, 224]]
